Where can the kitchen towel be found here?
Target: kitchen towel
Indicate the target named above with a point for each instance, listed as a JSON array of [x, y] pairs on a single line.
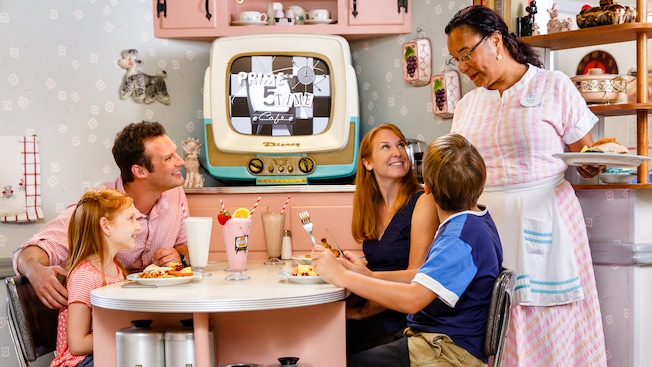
[[20, 181]]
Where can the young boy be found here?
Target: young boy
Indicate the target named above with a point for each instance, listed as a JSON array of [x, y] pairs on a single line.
[[447, 301]]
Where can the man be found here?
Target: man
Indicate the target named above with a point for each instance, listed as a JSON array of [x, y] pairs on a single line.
[[150, 173]]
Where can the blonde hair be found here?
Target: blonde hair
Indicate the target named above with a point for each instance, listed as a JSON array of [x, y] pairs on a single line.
[[364, 225], [85, 237], [455, 172]]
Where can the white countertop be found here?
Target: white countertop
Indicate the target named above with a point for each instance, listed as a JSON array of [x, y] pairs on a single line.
[[265, 290]]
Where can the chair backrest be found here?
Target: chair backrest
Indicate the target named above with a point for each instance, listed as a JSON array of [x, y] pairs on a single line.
[[33, 326], [501, 301]]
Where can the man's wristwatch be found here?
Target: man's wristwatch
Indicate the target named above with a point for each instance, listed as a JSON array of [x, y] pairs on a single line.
[[184, 262]]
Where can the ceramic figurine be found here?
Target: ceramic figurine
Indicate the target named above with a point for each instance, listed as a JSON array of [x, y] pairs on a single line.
[[193, 177], [555, 25], [141, 87], [526, 23], [609, 12]]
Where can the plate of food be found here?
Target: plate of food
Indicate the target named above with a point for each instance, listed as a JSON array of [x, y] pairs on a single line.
[[162, 276], [604, 152], [302, 274], [602, 159]]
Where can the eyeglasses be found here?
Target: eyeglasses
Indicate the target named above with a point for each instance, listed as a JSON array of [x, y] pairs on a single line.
[[467, 56]]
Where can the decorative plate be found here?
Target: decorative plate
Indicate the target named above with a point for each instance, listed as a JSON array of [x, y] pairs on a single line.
[[597, 59], [601, 159], [163, 282]]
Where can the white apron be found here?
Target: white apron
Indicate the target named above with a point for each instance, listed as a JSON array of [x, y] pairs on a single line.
[[536, 242]]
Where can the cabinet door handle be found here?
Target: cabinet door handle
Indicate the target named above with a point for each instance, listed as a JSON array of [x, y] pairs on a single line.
[[208, 12], [403, 4], [161, 6], [355, 8]]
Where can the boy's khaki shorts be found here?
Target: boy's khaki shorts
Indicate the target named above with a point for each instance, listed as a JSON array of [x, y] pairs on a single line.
[[433, 349]]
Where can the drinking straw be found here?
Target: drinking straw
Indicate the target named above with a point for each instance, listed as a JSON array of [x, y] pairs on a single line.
[[255, 206], [222, 204], [285, 205]]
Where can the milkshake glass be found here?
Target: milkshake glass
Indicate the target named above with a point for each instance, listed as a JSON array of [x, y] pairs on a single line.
[[198, 235], [236, 241], [273, 228]]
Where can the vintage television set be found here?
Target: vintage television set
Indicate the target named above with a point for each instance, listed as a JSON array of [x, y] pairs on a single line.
[[281, 109]]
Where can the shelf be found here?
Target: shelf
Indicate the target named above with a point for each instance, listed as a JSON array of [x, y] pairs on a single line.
[[590, 36], [641, 186], [620, 109]]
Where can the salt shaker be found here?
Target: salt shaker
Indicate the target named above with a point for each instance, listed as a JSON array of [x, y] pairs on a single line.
[[286, 246]]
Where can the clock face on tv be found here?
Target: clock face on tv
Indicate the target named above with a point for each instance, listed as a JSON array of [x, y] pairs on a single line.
[[279, 95]]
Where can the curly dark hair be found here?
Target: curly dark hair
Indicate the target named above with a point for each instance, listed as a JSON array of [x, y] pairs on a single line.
[[484, 21], [129, 146]]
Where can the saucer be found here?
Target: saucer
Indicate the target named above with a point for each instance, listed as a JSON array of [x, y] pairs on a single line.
[[318, 21], [249, 22]]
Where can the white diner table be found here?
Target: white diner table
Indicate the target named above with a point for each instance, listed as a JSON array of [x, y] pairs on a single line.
[[253, 321]]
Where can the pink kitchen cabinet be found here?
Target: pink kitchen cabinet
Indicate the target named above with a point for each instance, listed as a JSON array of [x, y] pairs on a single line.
[[205, 20], [185, 16]]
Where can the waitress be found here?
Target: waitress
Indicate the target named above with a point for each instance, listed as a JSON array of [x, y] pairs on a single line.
[[518, 117]]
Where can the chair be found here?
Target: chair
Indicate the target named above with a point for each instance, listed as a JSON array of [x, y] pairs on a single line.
[[32, 325], [501, 301]]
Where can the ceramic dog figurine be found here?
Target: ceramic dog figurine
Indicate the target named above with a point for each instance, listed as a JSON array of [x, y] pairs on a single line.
[[143, 88]]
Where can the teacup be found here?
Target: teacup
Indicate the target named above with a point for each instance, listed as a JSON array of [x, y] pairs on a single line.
[[299, 13], [253, 16], [318, 14]]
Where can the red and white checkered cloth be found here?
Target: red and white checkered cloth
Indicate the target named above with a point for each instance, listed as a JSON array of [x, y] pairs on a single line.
[[22, 154]]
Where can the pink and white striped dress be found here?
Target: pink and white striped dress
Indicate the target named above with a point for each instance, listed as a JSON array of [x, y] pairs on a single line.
[[517, 133]]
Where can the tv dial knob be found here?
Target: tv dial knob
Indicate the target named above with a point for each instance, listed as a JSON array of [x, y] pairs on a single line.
[[306, 165], [255, 166]]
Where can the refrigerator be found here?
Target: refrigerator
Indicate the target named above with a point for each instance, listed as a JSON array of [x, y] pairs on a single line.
[[619, 225]]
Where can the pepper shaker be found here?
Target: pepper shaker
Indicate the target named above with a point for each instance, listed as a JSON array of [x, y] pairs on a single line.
[[286, 246]]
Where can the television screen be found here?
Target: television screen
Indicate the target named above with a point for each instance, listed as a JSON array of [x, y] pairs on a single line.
[[279, 95], [281, 109]]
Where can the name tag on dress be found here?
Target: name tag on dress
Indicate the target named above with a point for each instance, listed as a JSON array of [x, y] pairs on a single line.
[[530, 100]]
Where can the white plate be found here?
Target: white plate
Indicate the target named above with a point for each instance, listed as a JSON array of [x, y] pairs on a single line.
[[302, 260], [599, 159], [249, 22], [301, 279], [319, 21], [616, 178], [162, 282]]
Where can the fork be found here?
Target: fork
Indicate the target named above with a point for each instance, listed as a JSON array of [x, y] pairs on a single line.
[[307, 225]]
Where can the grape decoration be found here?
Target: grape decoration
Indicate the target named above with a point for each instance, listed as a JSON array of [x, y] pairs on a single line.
[[410, 57], [440, 93]]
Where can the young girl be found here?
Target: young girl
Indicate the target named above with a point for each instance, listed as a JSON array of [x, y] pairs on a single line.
[[103, 223]]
